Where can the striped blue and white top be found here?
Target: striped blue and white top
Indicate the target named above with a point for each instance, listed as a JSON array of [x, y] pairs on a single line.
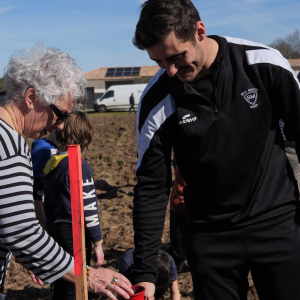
[[20, 232]]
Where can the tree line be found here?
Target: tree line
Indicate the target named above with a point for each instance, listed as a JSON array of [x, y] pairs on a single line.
[[288, 46]]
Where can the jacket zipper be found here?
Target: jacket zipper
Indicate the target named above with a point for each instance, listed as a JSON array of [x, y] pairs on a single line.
[[214, 105]]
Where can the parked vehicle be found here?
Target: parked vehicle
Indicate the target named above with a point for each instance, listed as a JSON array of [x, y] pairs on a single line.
[[117, 97]]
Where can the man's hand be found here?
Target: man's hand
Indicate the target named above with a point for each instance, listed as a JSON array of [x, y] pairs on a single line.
[[99, 255], [149, 289]]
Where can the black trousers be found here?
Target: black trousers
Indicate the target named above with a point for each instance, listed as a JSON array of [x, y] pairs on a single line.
[[131, 108], [62, 234], [177, 222], [220, 260]]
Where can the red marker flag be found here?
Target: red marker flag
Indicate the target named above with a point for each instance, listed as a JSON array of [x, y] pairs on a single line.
[[75, 170]]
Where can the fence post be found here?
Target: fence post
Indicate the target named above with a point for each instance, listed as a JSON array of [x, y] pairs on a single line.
[[75, 170]]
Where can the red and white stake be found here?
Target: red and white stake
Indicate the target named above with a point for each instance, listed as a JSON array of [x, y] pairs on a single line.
[[75, 171]]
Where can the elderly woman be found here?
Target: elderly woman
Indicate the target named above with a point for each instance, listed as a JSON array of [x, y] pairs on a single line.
[[44, 87]]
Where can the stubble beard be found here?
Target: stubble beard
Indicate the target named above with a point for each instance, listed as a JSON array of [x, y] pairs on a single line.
[[197, 65]]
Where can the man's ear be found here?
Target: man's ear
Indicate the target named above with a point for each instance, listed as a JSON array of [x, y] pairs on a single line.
[[30, 98], [200, 31]]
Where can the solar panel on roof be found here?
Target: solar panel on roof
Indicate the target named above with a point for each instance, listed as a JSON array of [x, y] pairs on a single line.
[[110, 72], [120, 72]]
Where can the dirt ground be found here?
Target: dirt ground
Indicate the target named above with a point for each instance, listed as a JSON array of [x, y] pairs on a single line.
[[112, 156]]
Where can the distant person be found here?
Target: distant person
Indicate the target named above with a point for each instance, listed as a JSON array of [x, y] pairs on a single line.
[[77, 130], [131, 102], [166, 273]]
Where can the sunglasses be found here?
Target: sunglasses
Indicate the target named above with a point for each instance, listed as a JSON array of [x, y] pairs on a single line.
[[61, 117]]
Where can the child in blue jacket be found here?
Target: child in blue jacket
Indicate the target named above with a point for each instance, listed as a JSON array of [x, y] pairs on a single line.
[[57, 203]]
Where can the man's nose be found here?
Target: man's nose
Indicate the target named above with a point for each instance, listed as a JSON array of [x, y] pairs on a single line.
[[171, 69]]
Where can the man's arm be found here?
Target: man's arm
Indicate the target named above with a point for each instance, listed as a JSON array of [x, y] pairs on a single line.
[[154, 142], [287, 104], [282, 87]]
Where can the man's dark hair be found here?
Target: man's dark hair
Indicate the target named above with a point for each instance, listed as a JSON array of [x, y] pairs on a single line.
[[164, 267], [160, 17]]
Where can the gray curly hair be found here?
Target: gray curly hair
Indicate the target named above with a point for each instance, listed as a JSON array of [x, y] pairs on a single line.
[[51, 72]]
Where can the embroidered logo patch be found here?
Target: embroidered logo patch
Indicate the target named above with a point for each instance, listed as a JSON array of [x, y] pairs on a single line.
[[250, 96], [187, 119]]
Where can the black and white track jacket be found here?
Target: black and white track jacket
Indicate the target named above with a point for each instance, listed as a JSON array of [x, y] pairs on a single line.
[[230, 153]]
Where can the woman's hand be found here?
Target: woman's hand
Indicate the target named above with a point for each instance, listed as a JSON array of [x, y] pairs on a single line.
[[35, 279], [100, 282], [99, 255]]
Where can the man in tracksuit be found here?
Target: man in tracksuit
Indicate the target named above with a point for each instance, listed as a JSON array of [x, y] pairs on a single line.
[[217, 101]]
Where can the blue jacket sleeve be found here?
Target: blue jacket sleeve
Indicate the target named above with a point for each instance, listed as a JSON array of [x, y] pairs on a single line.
[[91, 213]]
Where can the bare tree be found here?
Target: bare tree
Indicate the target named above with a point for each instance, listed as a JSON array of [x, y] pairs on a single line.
[[289, 46]]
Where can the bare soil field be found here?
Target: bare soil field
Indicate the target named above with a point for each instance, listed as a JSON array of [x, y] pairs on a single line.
[[112, 156]]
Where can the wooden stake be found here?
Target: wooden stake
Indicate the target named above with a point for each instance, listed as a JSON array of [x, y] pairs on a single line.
[[75, 169]]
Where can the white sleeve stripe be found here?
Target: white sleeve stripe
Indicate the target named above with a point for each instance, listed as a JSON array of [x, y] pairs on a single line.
[[155, 119], [259, 56], [267, 55], [238, 41], [152, 82], [271, 57], [149, 85]]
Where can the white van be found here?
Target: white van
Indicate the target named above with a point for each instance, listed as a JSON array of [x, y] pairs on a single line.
[[117, 97]]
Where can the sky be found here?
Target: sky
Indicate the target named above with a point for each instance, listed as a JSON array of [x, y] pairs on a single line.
[[98, 33]]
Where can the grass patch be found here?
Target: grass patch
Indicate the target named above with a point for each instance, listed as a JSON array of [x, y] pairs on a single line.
[[102, 223], [105, 157], [108, 113], [129, 199], [122, 203], [116, 141], [109, 204]]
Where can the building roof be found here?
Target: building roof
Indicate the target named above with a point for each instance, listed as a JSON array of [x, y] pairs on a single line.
[[100, 73], [148, 71], [295, 62]]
